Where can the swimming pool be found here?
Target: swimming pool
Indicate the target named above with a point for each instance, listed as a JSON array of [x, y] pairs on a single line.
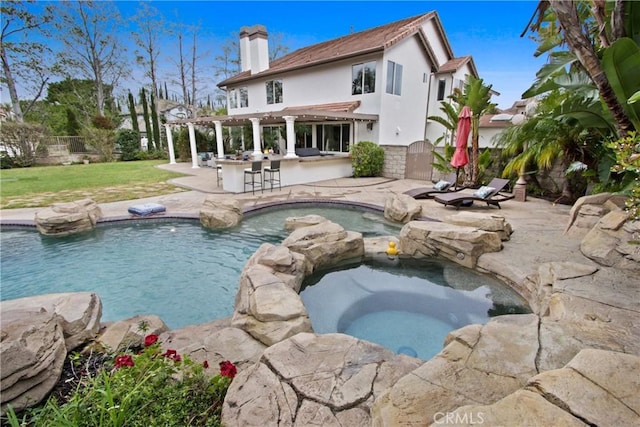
[[407, 305], [176, 269]]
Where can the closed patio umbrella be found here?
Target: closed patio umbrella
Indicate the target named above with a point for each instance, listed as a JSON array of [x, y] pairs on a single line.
[[460, 157]]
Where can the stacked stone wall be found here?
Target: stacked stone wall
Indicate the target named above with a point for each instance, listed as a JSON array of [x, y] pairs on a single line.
[[395, 158]]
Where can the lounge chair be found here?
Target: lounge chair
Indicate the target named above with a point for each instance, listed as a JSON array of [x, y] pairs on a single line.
[[491, 194], [447, 185]]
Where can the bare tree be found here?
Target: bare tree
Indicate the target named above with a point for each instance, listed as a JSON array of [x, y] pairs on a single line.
[[89, 32], [150, 25], [188, 76], [23, 61]]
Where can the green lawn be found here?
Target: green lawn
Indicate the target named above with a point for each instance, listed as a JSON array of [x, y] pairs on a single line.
[[102, 182]]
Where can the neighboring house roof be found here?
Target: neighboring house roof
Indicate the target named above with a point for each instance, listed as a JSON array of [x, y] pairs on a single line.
[[500, 120], [164, 105], [369, 41]]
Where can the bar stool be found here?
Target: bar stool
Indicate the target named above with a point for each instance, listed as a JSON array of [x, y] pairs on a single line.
[[270, 174], [250, 175]]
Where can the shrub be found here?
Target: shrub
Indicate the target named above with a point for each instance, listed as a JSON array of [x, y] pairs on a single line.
[[367, 159], [129, 143], [102, 140], [141, 388], [627, 151], [22, 141]]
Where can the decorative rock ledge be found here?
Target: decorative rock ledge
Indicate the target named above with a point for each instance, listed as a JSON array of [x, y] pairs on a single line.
[[311, 379], [608, 383], [220, 213], [482, 221], [63, 219], [462, 245]]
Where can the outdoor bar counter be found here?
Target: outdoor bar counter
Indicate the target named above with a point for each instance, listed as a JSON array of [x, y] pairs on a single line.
[[293, 170]]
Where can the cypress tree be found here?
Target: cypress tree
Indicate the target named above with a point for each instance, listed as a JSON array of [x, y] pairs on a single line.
[[133, 114], [166, 92], [73, 126], [147, 122], [156, 123]]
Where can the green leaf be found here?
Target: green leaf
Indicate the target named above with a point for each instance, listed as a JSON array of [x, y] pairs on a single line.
[[621, 64], [545, 77]]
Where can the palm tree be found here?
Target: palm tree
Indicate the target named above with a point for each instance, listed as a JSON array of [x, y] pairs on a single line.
[[584, 32]]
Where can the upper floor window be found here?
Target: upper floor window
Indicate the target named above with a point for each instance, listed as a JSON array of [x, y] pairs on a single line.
[[442, 84], [244, 97], [238, 98], [274, 92], [363, 78], [394, 78]]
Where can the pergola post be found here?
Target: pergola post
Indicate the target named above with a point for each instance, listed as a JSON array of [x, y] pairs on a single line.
[[257, 146], [192, 145], [291, 136], [172, 154], [219, 143]]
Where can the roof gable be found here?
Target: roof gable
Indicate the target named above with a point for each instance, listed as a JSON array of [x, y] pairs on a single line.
[[367, 41]]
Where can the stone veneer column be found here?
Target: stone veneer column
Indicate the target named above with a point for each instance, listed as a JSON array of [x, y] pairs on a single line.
[[192, 144], [257, 147], [172, 154], [219, 143], [291, 137]]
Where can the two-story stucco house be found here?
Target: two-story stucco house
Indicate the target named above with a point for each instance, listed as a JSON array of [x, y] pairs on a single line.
[[376, 85]]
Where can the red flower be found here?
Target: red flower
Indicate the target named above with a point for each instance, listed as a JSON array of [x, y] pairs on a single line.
[[228, 369], [124, 360], [173, 355], [150, 340], [205, 364]]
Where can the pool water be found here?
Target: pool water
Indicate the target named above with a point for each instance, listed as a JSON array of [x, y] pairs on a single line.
[[176, 269], [407, 305]]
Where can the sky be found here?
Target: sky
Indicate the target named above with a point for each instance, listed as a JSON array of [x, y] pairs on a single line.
[[489, 31]]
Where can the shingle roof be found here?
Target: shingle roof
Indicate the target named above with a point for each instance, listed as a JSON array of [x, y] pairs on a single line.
[[372, 40], [454, 64]]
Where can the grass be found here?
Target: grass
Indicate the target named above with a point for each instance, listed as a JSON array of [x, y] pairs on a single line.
[[103, 182]]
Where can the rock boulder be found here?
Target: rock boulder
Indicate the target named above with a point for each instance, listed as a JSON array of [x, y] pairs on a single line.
[[325, 244], [402, 208], [220, 213], [63, 219], [32, 354], [78, 313]]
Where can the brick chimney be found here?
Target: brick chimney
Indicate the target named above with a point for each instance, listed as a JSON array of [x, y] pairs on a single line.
[[254, 49]]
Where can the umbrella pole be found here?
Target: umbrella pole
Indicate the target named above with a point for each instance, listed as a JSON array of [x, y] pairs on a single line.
[[457, 173]]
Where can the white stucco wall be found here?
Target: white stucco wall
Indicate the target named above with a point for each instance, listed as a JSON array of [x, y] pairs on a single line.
[[402, 117]]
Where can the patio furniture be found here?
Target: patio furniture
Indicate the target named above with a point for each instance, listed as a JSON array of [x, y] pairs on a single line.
[[253, 177], [447, 185], [491, 194], [270, 173]]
